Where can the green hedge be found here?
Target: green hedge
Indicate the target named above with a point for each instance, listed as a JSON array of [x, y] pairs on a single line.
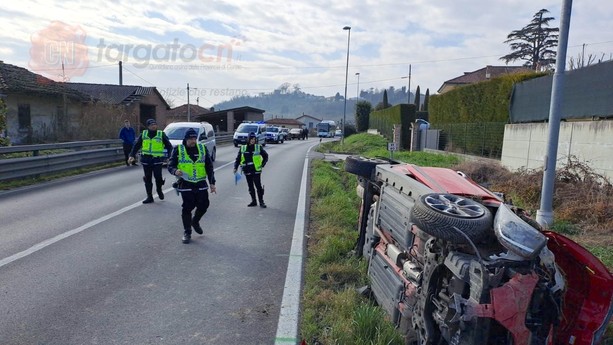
[[487, 101], [384, 121]]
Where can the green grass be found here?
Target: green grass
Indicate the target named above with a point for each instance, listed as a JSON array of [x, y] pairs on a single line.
[[333, 311]]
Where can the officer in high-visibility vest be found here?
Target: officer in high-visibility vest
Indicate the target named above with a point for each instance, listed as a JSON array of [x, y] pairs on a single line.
[[155, 147], [192, 163], [252, 158]]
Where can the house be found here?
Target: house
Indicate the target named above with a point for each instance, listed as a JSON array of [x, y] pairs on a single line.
[[38, 109], [483, 74], [180, 113], [137, 103], [227, 120], [281, 122], [309, 121]]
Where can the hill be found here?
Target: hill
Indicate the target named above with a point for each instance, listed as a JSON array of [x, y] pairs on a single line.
[[283, 103]]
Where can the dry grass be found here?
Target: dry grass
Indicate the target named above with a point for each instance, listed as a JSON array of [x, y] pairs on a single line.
[[582, 198]]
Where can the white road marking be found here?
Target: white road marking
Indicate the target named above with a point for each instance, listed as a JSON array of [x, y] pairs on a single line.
[[85, 226], [287, 327]]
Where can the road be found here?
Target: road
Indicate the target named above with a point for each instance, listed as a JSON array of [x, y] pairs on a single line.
[[82, 261]]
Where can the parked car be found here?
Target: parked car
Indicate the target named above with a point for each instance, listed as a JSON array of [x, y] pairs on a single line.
[[452, 263], [274, 135], [206, 135], [296, 133], [338, 133], [242, 132], [285, 132]]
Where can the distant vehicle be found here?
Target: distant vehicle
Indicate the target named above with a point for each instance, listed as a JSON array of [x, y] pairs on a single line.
[[274, 135], [326, 129], [285, 132], [295, 133], [243, 130], [338, 133], [206, 135], [422, 124]]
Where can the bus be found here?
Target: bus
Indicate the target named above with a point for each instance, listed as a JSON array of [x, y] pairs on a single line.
[[326, 129]]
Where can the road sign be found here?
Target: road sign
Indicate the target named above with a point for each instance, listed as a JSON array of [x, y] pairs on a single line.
[[392, 147]]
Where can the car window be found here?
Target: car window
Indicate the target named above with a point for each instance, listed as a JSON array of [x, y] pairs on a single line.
[[176, 133], [245, 128]]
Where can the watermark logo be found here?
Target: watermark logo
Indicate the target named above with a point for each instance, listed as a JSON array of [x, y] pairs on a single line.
[[175, 55], [59, 51]]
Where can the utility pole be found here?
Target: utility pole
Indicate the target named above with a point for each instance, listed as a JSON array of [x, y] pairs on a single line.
[[409, 90], [189, 115], [544, 216]]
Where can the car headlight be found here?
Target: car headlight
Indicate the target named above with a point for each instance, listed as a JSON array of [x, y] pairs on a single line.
[[516, 235]]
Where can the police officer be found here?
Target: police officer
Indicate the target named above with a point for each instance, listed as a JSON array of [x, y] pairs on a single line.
[[252, 157], [154, 146], [192, 163]]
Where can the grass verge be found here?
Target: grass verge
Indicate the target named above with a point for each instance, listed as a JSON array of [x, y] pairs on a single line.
[[334, 312]]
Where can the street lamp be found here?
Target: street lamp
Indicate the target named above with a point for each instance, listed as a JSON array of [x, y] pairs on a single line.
[[348, 28], [357, 97], [409, 89]]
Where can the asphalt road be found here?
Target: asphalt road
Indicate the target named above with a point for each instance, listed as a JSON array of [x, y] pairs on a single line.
[[82, 261]]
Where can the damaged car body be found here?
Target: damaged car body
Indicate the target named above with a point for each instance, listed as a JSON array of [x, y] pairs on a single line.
[[452, 263]]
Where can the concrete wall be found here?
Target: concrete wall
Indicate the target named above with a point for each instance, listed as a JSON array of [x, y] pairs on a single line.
[[525, 145]]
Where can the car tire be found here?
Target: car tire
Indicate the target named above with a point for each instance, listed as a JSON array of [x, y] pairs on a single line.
[[362, 166], [438, 214]]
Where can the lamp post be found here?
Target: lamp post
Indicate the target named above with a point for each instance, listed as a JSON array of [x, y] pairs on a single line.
[[348, 28], [409, 89], [357, 97]]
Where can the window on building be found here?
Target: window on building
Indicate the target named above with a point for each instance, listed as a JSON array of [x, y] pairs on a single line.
[[23, 114]]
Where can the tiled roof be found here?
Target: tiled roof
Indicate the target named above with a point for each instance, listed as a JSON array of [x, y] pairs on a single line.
[[181, 111], [486, 73], [114, 94], [14, 79]]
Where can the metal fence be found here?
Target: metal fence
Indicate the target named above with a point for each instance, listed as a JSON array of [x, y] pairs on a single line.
[[53, 158], [480, 139]]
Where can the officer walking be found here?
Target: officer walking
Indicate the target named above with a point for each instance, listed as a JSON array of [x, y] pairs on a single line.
[[192, 163], [252, 158], [127, 135], [154, 146]]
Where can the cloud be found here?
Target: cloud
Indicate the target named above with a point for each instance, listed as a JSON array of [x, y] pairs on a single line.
[[298, 42]]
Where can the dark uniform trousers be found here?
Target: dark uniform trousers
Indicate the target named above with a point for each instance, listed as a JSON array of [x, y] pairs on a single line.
[[153, 168], [193, 199], [255, 180]]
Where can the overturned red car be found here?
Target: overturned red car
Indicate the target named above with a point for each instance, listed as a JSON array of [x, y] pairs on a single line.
[[452, 263]]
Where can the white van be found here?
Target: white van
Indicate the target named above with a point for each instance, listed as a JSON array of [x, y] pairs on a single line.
[[206, 135]]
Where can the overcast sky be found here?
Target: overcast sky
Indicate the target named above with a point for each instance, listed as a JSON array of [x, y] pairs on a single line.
[[224, 48]]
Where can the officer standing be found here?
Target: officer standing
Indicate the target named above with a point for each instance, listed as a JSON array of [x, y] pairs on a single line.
[[252, 157], [154, 146], [192, 163]]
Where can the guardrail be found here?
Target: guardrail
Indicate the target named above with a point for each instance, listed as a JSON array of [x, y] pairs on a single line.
[[78, 156]]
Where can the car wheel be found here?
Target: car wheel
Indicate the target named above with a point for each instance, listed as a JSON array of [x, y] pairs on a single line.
[[362, 166], [439, 214]]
